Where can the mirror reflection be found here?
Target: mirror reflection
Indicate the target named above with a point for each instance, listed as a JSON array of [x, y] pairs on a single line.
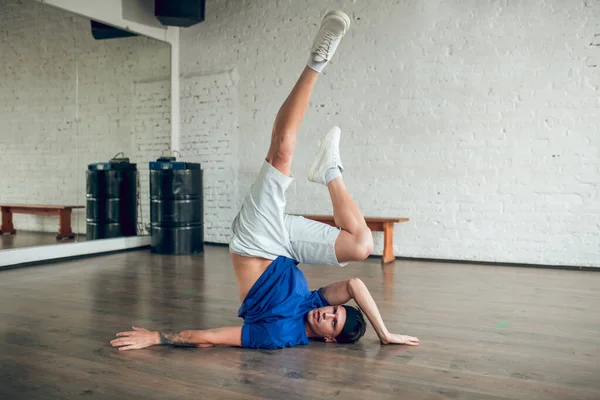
[[86, 107]]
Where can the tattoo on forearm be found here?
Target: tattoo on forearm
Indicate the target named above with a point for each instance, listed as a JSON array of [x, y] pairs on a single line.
[[174, 339]]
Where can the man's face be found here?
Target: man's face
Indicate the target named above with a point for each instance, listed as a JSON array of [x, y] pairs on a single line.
[[327, 322]]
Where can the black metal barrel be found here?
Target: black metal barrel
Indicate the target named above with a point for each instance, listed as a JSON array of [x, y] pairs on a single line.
[[111, 204], [176, 207]]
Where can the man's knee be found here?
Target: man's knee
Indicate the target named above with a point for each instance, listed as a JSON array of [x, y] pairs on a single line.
[[363, 245], [282, 162], [283, 145], [281, 153]]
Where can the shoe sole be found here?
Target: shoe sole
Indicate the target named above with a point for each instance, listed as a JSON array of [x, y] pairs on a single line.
[[322, 149], [339, 14]]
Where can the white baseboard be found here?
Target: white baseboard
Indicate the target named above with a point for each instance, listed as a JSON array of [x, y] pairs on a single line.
[[33, 254]]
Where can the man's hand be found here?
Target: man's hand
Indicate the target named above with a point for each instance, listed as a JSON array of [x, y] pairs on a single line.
[[340, 292], [393, 338], [139, 338]]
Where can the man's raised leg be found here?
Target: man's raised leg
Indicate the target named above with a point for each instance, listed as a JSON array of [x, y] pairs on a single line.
[[288, 120], [290, 115], [355, 241]]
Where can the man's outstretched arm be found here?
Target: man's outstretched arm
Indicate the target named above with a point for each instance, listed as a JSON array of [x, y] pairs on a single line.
[[341, 292], [140, 338]]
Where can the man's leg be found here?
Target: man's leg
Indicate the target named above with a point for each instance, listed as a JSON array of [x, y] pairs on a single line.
[[355, 241], [290, 115], [259, 229], [288, 120]]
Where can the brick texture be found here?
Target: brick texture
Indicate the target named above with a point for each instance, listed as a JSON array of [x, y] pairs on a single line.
[[209, 108], [67, 100], [478, 120]]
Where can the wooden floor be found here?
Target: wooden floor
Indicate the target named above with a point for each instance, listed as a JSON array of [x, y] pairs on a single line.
[[28, 238], [486, 333]]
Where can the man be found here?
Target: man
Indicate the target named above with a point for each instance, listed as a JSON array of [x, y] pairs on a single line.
[[277, 307]]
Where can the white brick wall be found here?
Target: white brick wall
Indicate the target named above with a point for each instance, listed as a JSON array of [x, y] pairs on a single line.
[[152, 137], [478, 120], [209, 108], [44, 152]]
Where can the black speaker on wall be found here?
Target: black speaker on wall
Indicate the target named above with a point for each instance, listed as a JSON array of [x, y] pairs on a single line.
[[101, 31], [179, 12]]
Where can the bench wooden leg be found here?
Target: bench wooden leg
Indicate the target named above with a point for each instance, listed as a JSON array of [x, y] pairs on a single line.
[[64, 228], [7, 222], [388, 242]]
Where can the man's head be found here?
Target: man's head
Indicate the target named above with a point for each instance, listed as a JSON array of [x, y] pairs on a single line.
[[341, 324]]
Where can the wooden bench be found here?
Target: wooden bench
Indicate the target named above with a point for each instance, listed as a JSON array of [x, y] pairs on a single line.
[[63, 212], [385, 225]]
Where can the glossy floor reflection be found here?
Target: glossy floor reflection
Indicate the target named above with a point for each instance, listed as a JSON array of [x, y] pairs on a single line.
[[486, 333], [29, 238]]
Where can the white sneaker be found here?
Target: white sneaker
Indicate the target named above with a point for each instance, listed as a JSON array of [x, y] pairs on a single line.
[[328, 157], [333, 27]]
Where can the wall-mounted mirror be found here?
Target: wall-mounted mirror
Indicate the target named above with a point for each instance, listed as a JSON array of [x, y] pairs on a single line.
[[74, 96], [123, 117]]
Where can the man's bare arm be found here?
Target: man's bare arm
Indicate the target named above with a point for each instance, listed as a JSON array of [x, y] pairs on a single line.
[[141, 338], [342, 292]]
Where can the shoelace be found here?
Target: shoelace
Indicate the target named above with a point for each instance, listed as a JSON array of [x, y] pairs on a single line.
[[336, 156], [323, 49]]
